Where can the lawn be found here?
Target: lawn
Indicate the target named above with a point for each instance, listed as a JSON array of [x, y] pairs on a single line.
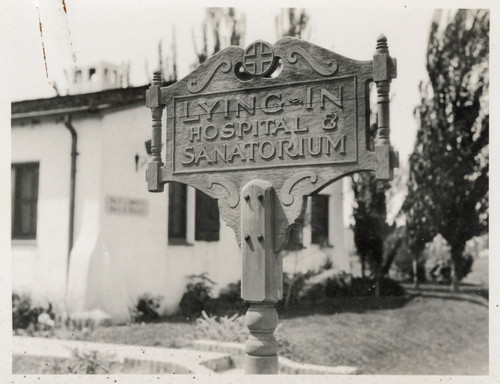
[[430, 336], [426, 335]]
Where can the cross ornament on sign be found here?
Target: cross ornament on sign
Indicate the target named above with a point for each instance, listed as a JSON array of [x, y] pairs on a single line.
[[259, 140], [258, 58]]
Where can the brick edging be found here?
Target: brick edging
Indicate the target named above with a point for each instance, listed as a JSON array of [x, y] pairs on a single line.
[[286, 366]]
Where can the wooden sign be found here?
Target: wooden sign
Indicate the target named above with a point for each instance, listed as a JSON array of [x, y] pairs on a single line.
[[259, 129], [292, 113]]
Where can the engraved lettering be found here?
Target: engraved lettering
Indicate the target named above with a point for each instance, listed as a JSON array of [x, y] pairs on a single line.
[[189, 153], [267, 125], [220, 152], [195, 131], [202, 155], [329, 122], [228, 131], [188, 119], [337, 100], [261, 150], [310, 146], [252, 145], [280, 125], [275, 108], [245, 127], [250, 109], [330, 143], [237, 152], [292, 155], [280, 148], [301, 147], [209, 109], [226, 112], [297, 127], [213, 135], [309, 106]]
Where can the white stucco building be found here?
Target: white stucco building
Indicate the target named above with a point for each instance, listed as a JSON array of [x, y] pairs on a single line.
[[86, 233]]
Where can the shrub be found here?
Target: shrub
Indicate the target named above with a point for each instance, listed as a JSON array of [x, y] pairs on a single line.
[[293, 286], [91, 362], [231, 294], [326, 266], [438, 265], [344, 285], [231, 329], [25, 316], [147, 308], [440, 271], [197, 296], [229, 301]]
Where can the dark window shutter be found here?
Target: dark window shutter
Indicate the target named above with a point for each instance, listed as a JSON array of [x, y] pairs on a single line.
[[177, 204], [319, 219], [207, 221], [25, 200]]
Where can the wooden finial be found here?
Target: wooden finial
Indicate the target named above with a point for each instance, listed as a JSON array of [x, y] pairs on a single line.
[[384, 69], [153, 101], [157, 78], [382, 44]]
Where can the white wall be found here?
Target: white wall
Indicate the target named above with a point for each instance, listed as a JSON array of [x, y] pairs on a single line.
[[39, 266]]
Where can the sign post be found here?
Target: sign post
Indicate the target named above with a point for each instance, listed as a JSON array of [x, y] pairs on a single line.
[[260, 129]]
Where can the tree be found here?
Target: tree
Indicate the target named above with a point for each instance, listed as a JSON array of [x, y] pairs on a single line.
[[292, 22], [222, 27], [449, 165], [418, 207], [370, 227]]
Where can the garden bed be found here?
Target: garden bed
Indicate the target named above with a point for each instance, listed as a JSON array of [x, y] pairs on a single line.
[[425, 335]]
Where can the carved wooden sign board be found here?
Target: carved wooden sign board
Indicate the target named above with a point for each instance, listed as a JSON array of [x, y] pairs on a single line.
[[293, 114], [259, 129]]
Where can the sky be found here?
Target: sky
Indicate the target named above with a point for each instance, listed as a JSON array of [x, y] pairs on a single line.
[[78, 33]]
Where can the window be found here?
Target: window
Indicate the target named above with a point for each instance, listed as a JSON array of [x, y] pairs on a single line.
[[319, 219], [207, 222], [206, 216], [24, 200], [177, 204]]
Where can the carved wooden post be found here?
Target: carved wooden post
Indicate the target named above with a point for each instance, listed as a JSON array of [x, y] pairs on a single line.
[[384, 69], [262, 277], [153, 101]]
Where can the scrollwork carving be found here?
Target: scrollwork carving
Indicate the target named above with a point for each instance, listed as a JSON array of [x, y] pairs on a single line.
[[286, 195], [196, 85], [331, 68], [233, 197]]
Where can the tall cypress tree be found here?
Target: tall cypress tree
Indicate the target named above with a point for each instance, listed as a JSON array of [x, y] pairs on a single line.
[[370, 213], [449, 166]]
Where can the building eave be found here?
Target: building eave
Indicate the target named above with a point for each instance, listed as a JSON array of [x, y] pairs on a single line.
[[95, 102]]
